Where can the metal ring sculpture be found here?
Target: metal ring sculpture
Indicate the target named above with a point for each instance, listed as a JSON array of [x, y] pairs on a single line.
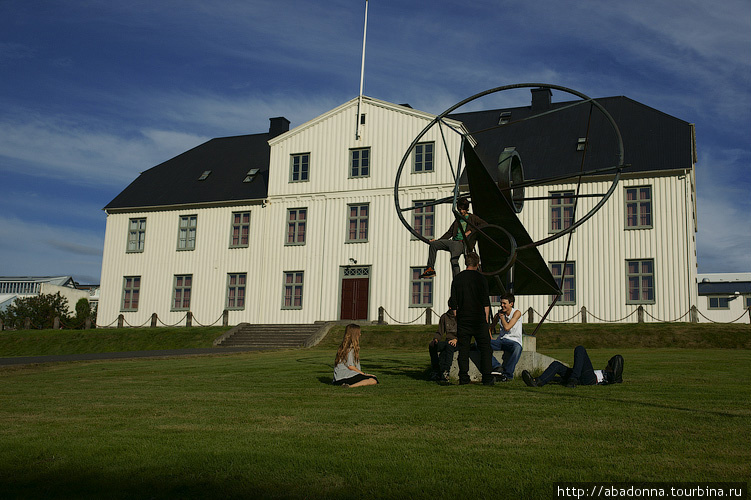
[[510, 168]]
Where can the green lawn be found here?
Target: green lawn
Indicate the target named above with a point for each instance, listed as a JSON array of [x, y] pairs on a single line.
[[269, 425], [55, 342]]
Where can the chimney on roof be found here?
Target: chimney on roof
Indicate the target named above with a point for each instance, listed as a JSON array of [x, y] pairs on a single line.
[[278, 126], [541, 99]]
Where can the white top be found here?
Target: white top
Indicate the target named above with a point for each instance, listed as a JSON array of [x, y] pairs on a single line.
[[515, 333], [342, 371]]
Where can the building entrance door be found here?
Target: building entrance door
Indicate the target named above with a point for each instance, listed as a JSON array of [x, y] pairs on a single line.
[[355, 289]]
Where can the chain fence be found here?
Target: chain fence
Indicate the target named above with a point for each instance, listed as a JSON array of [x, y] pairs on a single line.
[[189, 320], [693, 313]]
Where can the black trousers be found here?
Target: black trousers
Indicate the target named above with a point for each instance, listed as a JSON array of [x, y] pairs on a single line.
[[441, 356], [465, 332], [582, 370]]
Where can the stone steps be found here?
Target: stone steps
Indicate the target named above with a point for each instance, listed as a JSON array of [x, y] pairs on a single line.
[[283, 336]]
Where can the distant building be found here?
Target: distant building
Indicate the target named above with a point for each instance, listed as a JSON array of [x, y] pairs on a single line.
[[724, 297], [296, 226], [13, 287]]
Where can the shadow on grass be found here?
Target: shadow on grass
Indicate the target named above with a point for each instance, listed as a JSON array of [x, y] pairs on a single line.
[[400, 368], [395, 367], [570, 393]]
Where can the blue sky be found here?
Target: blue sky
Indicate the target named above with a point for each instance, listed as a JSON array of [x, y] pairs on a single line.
[[94, 92]]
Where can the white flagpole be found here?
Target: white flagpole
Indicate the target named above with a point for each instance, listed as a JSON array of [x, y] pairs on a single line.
[[362, 73]]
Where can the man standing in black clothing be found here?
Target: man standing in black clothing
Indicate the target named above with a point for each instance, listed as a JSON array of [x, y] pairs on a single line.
[[469, 291]]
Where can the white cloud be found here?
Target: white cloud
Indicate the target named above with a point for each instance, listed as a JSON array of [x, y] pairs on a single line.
[[79, 153], [35, 249], [724, 236], [30, 203], [14, 51]]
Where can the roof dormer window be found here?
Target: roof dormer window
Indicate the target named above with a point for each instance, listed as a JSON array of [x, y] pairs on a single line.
[[251, 175], [204, 175], [504, 118]]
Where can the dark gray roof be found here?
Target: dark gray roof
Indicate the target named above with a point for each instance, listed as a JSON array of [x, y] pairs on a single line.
[[653, 140], [724, 287], [175, 182]]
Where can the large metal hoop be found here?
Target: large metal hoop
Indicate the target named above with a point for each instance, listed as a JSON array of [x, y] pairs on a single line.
[[439, 120]]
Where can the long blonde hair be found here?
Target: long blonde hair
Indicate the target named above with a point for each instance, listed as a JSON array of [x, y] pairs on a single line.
[[350, 342]]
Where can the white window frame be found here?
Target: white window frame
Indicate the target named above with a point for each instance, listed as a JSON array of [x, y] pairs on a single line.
[[240, 230], [356, 157], [136, 235], [181, 284], [556, 269], [360, 221], [718, 300], [420, 215], [131, 293], [299, 167], [296, 226], [186, 232], [418, 288], [638, 203], [640, 275], [559, 202], [423, 159], [293, 289], [237, 286]]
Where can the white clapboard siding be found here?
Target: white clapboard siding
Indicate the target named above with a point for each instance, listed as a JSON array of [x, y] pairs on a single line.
[[599, 248]]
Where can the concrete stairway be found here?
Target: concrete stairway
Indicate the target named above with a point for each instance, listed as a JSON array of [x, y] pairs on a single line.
[[273, 336]]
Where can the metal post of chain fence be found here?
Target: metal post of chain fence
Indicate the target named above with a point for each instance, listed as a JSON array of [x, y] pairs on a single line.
[[87, 324], [27, 323], [584, 314], [530, 315], [403, 323], [380, 315], [428, 313], [225, 318], [120, 321], [694, 315], [749, 315], [640, 315], [189, 319], [154, 319]]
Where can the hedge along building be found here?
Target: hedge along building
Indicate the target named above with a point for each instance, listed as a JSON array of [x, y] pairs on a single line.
[[295, 226]]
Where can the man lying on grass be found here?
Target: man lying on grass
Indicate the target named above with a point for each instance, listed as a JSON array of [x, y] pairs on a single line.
[[581, 374]]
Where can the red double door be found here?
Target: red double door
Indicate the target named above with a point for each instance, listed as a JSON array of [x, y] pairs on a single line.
[[354, 298]]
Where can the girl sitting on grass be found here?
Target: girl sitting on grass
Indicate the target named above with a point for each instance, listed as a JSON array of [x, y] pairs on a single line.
[[347, 372]]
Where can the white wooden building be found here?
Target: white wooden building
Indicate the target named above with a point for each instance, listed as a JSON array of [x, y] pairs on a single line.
[[725, 297], [15, 287], [296, 226]]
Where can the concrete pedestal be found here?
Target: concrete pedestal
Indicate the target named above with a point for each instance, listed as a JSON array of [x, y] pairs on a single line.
[[530, 360]]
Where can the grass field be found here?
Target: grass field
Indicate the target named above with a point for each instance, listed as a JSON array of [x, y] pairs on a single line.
[[269, 425]]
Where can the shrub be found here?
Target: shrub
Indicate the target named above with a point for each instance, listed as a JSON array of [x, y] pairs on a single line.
[[40, 309]]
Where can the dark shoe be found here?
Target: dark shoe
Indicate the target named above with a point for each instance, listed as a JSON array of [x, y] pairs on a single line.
[[528, 379], [429, 273], [572, 382], [497, 371], [614, 370], [502, 378], [489, 382], [435, 376]]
